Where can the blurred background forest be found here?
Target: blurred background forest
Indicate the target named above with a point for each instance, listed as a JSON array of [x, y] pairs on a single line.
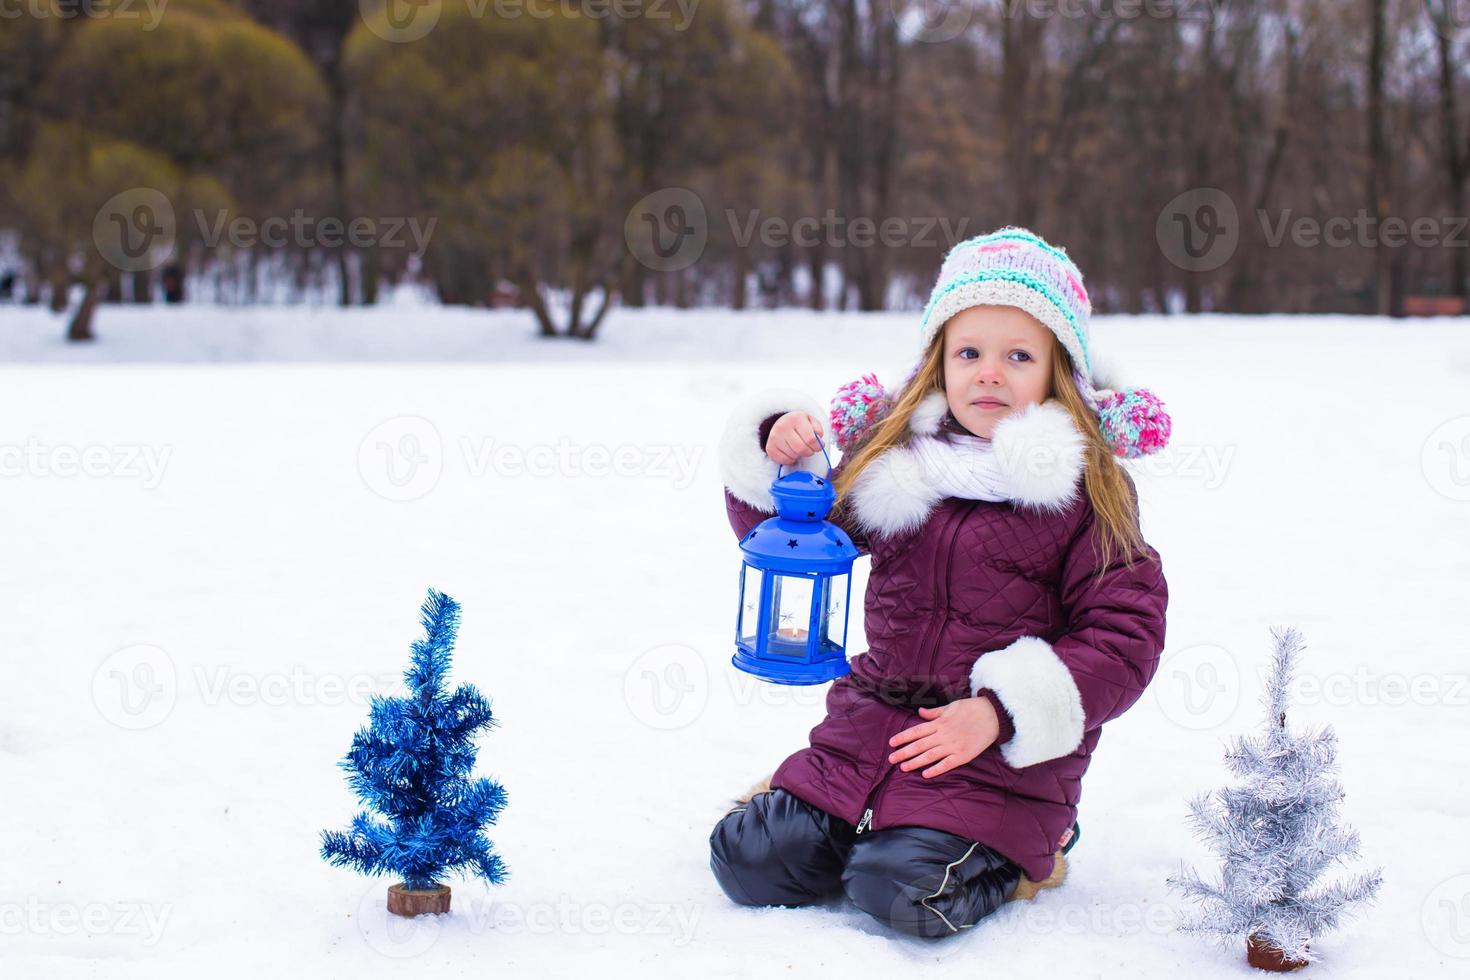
[[574, 156]]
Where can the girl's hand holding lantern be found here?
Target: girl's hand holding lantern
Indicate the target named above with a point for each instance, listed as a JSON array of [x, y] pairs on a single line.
[[794, 438]]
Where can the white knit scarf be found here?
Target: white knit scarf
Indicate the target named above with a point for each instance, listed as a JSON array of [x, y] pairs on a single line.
[[956, 465]]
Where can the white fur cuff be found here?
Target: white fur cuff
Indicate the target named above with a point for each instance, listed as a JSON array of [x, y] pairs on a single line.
[[744, 466], [1038, 690], [1041, 454]]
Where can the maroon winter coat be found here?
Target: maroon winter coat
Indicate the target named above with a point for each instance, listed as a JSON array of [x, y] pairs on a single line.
[[970, 597]]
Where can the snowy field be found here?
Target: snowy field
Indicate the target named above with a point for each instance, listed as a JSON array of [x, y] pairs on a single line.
[[219, 525]]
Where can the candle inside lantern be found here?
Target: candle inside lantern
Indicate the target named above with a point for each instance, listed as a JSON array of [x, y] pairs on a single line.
[[792, 633]]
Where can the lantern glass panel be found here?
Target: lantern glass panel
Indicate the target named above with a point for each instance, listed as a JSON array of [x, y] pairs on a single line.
[[750, 603], [834, 610], [791, 599]]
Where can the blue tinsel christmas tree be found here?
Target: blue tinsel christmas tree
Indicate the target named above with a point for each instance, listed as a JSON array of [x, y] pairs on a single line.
[[411, 765]]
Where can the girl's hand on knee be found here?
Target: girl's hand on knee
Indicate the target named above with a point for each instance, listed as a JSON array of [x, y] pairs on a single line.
[[950, 736], [794, 438]]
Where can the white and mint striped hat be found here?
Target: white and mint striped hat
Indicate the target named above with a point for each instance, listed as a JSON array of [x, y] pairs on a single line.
[[1013, 267]]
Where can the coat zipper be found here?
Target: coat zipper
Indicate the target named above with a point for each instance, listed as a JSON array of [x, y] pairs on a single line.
[[866, 821]]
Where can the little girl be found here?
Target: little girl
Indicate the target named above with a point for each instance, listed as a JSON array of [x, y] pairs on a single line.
[[1013, 606]]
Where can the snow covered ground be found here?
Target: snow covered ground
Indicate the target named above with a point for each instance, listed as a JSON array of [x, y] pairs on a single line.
[[210, 565]]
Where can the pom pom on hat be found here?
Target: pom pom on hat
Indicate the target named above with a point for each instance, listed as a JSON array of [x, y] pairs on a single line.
[[857, 407], [1134, 421]]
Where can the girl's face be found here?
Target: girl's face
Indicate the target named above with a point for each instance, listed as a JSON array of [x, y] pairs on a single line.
[[997, 359]]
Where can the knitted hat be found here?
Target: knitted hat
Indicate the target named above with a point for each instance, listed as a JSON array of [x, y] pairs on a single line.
[[1013, 267]]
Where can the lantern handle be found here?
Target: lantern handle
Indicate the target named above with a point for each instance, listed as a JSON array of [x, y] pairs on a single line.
[[824, 456]]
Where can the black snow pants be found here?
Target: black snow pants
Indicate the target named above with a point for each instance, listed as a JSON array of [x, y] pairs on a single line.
[[779, 850]]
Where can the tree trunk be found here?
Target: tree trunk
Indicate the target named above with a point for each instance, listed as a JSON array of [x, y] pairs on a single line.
[[372, 271], [531, 290], [112, 286], [1378, 154], [1021, 47], [740, 299], [60, 286], [80, 329], [633, 279], [1456, 155], [816, 259], [344, 278], [589, 332], [142, 286]]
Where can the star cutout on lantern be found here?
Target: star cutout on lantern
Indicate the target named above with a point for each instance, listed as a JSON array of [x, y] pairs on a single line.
[[821, 482], [811, 513], [791, 543]]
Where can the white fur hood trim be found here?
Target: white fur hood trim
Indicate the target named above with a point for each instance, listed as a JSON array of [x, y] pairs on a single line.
[[1042, 455], [1038, 450], [745, 468]]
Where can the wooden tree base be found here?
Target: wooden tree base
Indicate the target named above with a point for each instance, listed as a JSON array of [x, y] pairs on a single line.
[[1262, 957], [410, 902]]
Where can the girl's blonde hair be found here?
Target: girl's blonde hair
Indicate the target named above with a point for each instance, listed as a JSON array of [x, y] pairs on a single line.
[[1107, 485]]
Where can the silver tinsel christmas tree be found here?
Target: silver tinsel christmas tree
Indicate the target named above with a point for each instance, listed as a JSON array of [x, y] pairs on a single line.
[[1276, 834]]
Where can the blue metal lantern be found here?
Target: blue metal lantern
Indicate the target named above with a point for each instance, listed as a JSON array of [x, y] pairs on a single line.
[[795, 586]]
